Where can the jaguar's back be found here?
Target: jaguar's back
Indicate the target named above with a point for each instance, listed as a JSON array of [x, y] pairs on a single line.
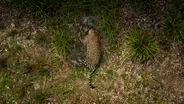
[[93, 51]]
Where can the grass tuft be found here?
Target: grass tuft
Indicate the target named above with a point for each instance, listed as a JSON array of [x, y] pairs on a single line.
[[61, 43], [173, 26], [109, 23], [142, 45]]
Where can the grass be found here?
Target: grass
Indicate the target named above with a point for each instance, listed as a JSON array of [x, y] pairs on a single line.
[[12, 86], [61, 43], [108, 24], [31, 82], [110, 74], [23, 72], [18, 84], [65, 12], [143, 46], [78, 73], [13, 50], [43, 40], [173, 26], [58, 24], [139, 85]]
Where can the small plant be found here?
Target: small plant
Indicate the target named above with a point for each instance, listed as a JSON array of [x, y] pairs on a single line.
[[61, 43], [142, 45], [173, 26], [108, 23]]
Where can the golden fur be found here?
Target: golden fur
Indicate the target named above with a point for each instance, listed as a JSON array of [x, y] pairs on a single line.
[[93, 52]]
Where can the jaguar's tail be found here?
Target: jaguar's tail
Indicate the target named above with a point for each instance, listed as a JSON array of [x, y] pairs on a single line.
[[93, 69], [90, 79]]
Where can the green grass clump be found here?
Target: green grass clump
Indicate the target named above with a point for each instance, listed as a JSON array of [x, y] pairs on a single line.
[[173, 26], [142, 45], [107, 24], [62, 43], [110, 23]]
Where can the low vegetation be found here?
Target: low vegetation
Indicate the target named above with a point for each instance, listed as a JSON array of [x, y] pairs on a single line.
[[174, 26], [35, 66], [143, 46], [61, 43]]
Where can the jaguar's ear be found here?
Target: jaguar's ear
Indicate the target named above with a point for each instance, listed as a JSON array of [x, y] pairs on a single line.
[[97, 32], [94, 32], [90, 27]]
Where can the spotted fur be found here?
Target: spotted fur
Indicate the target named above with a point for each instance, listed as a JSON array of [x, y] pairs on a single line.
[[93, 51]]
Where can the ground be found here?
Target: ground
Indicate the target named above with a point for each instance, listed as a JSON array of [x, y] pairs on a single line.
[[31, 70]]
